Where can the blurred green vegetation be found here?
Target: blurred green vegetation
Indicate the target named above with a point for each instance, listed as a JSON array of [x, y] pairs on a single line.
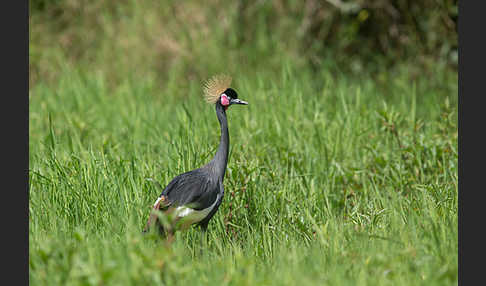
[[167, 39]]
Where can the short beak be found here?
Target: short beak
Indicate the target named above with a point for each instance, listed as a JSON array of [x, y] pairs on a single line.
[[237, 101]]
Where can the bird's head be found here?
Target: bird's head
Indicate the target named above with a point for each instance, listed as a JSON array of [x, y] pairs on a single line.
[[229, 97], [217, 90]]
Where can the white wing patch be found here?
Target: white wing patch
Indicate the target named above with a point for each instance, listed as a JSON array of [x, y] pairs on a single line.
[[157, 201], [191, 216]]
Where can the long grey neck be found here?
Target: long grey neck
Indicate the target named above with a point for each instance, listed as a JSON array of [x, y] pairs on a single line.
[[220, 160]]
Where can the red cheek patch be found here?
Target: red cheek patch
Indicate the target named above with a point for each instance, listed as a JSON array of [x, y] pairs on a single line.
[[224, 100]]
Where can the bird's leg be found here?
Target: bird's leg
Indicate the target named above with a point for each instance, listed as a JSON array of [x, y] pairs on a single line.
[[153, 218], [171, 229], [170, 237], [204, 239]]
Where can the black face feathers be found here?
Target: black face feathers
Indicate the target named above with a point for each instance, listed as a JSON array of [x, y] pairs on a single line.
[[231, 93]]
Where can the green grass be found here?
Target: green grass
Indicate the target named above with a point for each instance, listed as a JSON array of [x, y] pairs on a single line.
[[330, 181]]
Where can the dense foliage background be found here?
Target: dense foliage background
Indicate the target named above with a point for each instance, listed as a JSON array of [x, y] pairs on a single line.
[[159, 37]]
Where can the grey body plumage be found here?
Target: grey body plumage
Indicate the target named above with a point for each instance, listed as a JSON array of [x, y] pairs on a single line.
[[199, 193]]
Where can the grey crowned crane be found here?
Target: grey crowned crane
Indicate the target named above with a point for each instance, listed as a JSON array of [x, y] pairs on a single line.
[[194, 197]]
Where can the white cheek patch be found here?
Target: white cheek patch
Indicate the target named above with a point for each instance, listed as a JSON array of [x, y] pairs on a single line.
[[224, 100]]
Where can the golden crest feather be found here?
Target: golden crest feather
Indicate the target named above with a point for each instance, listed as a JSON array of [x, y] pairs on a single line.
[[215, 86]]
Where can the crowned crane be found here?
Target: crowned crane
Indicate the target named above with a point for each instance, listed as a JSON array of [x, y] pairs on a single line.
[[194, 197]]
